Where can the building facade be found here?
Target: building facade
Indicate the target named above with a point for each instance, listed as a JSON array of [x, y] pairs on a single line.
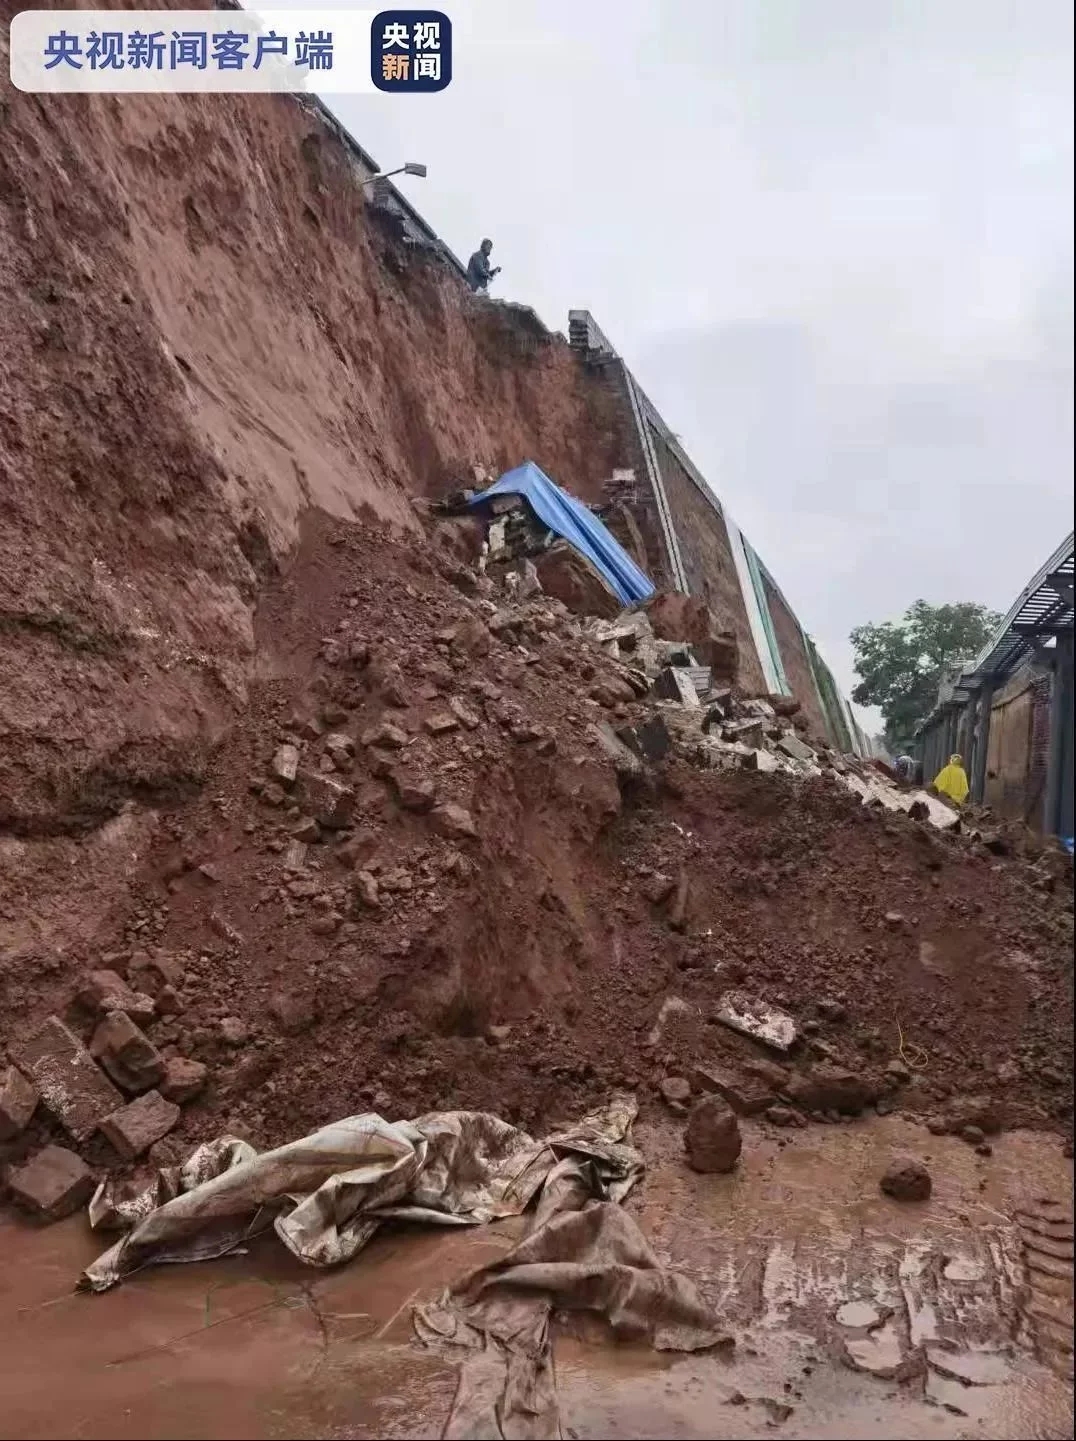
[[1010, 712]]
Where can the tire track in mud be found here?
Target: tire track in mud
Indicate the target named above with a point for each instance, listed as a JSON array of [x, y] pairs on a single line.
[[1046, 1234]]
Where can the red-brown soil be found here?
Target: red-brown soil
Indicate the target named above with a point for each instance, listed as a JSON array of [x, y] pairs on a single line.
[[204, 331], [540, 923], [224, 390]]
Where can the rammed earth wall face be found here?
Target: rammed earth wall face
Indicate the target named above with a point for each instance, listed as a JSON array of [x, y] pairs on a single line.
[[206, 331]]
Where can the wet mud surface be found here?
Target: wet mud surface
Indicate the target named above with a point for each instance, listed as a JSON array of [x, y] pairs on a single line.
[[854, 1315]]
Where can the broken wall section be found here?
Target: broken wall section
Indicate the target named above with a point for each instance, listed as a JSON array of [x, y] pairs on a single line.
[[700, 552], [707, 557], [206, 331], [797, 664], [610, 387], [840, 721]]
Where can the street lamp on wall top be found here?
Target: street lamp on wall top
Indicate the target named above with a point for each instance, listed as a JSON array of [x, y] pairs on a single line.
[[410, 167]]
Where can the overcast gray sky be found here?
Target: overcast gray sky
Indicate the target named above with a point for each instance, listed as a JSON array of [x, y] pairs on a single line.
[[832, 238]]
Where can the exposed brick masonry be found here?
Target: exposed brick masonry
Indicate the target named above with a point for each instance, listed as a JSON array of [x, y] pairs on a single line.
[[795, 660]]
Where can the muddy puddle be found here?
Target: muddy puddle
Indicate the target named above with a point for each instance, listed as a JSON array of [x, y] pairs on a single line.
[[854, 1315]]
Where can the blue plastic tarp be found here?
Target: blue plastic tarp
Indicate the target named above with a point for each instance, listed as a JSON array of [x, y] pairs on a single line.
[[568, 517]]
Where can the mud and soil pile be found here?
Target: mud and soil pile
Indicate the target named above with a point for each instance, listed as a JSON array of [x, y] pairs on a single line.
[[337, 823], [413, 880]]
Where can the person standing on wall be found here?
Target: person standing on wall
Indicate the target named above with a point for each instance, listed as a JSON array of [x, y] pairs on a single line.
[[479, 270]]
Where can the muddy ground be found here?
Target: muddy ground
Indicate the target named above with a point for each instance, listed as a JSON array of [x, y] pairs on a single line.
[[853, 1315]]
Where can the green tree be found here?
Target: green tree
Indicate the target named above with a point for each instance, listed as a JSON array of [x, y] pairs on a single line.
[[901, 664]]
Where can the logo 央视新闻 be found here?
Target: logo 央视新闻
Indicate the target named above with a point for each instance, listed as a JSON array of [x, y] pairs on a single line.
[[411, 51]]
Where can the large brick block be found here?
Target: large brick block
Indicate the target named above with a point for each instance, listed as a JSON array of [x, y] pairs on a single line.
[[51, 1184], [71, 1086]]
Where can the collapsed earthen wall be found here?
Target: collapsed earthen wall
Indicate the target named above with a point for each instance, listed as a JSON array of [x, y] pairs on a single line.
[[206, 341], [205, 333]]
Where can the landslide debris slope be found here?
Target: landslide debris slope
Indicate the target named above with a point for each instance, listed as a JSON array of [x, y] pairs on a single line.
[[413, 879], [222, 388]]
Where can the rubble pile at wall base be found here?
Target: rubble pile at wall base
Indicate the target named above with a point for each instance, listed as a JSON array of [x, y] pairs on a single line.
[[465, 850]]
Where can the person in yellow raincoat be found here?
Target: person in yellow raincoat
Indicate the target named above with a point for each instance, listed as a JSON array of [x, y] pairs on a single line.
[[952, 781]]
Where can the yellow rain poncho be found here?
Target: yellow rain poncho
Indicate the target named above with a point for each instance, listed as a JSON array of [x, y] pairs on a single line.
[[951, 781]]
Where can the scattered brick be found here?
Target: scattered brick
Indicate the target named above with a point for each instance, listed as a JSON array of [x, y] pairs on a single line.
[[329, 801], [416, 793], [135, 1127], [746, 1097], [286, 764], [72, 1087], [126, 1053], [51, 1184], [104, 991], [183, 1079], [18, 1101]]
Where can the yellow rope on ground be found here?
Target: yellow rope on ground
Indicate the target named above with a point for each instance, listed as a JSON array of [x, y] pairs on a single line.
[[913, 1065]]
